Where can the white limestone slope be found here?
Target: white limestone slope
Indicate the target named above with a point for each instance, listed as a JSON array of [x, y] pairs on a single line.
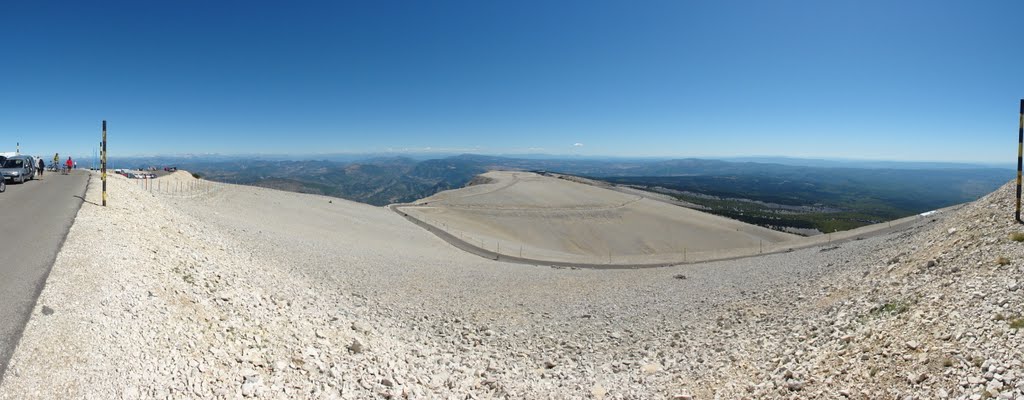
[[546, 218], [248, 292]]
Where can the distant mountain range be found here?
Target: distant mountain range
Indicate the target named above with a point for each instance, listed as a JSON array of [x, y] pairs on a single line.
[[850, 196], [870, 164]]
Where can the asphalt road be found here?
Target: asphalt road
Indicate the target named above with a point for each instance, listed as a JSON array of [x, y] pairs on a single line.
[[34, 220], [817, 241]]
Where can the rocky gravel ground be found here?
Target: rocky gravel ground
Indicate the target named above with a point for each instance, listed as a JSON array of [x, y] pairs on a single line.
[[237, 292]]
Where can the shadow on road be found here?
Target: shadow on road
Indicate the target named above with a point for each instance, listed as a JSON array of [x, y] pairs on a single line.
[[87, 201]]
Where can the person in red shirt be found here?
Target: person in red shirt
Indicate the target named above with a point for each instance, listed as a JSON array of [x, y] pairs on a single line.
[[68, 165]]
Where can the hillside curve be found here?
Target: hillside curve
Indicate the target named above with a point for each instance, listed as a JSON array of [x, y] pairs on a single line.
[[486, 203]]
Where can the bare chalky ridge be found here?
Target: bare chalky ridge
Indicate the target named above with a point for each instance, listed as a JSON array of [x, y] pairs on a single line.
[[236, 291], [548, 218]]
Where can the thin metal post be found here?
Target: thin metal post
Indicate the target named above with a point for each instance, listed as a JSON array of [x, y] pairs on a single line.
[[1020, 150], [103, 163]]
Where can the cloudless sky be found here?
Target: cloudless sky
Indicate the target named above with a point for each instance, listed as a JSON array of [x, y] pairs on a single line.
[[898, 80]]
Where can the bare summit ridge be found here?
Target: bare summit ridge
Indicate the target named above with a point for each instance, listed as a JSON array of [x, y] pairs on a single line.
[[230, 291]]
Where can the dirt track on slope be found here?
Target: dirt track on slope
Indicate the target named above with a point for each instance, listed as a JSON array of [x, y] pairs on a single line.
[[527, 225]]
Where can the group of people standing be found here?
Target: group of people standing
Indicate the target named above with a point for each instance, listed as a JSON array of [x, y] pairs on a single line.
[[68, 165]]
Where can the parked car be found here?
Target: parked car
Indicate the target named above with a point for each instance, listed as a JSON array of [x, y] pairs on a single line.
[[18, 169]]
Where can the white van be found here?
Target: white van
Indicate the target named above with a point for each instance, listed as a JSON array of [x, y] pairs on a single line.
[[18, 169]]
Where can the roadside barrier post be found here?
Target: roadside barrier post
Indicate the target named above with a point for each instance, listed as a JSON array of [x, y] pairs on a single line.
[[103, 163], [1020, 150]]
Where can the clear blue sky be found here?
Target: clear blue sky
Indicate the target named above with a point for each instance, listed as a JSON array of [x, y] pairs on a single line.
[[898, 80]]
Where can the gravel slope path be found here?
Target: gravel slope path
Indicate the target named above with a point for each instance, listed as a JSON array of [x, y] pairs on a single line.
[[239, 291], [547, 218]]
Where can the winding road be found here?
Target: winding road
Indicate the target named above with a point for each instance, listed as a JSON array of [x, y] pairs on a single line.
[[35, 217], [825, 241]]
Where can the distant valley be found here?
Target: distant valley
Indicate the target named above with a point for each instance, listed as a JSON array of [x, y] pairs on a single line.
[[798, 198]]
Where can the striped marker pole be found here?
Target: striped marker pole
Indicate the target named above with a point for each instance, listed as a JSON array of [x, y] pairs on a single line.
[[1020, 152], [103, 163]]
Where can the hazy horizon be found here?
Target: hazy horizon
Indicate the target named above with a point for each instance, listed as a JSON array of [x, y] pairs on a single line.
[[421, 156]]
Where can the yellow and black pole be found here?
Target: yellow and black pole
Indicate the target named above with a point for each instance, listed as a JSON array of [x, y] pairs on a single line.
[[1020, 152], [103, 162]]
